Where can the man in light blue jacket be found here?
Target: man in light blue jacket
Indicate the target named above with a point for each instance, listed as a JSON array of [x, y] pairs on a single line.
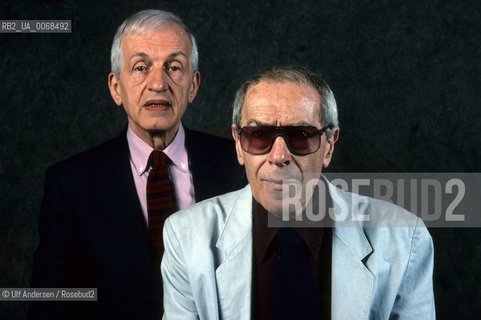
[[229, 258]]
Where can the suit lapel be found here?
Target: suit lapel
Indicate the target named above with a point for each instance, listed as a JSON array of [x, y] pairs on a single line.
[[122, 213], [196, 164], [352, 281], [234, 274]]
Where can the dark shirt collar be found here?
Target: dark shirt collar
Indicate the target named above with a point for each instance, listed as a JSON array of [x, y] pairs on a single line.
[[263, 234]]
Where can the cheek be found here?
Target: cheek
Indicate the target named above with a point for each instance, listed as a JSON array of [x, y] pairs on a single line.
[[311, 167], [133, 90], [126, 93], [253, 167], [250, 172], [180, 90]]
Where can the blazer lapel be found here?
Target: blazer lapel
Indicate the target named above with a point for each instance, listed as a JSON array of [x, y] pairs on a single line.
[[234, 274], [352, 281], [196, 163], [122, 212]]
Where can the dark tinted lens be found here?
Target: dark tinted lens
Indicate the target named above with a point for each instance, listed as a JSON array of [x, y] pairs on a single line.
[[257, 140], [302, 140]]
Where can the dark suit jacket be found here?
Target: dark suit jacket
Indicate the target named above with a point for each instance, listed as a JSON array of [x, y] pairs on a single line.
[[93, 233]]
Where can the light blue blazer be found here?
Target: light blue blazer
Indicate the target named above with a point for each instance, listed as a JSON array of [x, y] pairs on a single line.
[[381, 268]]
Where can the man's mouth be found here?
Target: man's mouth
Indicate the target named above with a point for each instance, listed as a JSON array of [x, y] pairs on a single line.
[[157, 105], [273, 184]]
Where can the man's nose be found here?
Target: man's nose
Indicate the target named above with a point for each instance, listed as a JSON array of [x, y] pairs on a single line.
[[279, 154], [157, 80]]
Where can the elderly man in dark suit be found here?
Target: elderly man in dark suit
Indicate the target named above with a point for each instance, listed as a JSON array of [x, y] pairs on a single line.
[[103, 210]]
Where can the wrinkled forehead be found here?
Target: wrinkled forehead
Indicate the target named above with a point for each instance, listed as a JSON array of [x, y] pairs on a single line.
[[168, 31], [167, 28], [147, 26], [281, 102]]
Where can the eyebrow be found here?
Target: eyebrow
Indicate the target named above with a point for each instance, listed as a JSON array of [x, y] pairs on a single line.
[[140, 54], [169, 57], [257, 122], [261, 123], [176, 54]]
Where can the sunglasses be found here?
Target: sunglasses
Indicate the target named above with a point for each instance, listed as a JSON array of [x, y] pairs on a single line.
[[301, 140]]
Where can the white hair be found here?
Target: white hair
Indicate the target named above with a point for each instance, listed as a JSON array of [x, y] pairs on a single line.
[[147, 20], [297, 74]]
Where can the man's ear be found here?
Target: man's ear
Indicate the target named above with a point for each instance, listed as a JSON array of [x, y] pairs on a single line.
[[194, 86], [329, 148], [114, 87], [238, 148]]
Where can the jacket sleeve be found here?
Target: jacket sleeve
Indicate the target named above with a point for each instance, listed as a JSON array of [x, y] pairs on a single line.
[[415, 299], [178, 298]]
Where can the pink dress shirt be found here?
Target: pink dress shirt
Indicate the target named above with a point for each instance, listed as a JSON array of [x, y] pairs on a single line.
[[179, 171]]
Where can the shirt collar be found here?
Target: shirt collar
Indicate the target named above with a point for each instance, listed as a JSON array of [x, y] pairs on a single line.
[[263, 234], [176, 150], [140, 151]]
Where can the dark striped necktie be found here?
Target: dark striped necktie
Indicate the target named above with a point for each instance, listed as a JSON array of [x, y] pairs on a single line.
[[161, 201]]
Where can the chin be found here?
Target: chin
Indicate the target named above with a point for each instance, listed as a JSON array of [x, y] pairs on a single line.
[[161, 126], [273, 207]]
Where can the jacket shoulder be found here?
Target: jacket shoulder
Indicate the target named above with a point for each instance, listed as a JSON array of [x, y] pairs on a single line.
[[92, 159], [210, 149], [383, 225], [206, 214], [201, 137], [206, 146], [372, 212]]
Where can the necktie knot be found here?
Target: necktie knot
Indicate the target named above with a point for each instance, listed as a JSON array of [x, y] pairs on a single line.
[[158, 159], [287, 237]]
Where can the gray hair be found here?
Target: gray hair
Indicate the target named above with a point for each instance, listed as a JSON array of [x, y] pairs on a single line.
[[295, 74], [147, 20]]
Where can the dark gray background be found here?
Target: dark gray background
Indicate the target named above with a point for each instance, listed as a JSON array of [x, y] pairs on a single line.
[[406, 75]]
